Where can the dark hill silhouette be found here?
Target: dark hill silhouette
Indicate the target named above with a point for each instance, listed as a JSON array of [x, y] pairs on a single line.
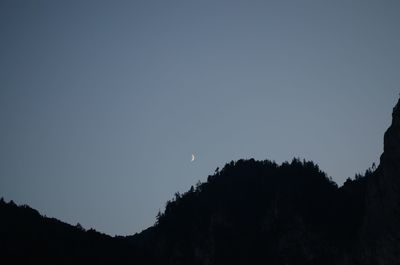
[[27, 237], [257, 212], [249, 212]]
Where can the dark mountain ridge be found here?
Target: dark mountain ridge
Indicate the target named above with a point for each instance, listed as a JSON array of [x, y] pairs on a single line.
[[249, 212]]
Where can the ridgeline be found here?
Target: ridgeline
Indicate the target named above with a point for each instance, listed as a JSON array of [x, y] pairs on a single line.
[[249, 212]]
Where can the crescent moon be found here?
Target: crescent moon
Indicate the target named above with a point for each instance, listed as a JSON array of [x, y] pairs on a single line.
[[193, 157]]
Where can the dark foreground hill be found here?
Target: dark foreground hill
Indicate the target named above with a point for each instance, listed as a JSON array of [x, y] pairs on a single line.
[[249, 212]]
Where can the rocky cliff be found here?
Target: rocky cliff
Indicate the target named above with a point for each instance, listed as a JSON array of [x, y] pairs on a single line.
[[380, 234]]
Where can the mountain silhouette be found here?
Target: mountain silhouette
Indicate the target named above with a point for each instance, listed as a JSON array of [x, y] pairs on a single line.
[[249, 212]]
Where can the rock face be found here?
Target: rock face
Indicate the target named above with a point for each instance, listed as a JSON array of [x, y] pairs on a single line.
[[380, 234]]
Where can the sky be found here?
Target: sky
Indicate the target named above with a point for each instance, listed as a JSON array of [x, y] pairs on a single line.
[[102, 103]]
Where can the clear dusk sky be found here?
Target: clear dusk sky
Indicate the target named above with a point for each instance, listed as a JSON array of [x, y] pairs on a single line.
[[102, 103]]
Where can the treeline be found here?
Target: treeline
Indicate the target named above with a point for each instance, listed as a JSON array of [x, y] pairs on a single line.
[[245, 212], [249, 212]]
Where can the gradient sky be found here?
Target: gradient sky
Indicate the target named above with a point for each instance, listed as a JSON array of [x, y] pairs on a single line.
[[102, 103]]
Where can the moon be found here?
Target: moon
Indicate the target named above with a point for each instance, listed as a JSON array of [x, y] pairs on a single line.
[[193, 157]]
